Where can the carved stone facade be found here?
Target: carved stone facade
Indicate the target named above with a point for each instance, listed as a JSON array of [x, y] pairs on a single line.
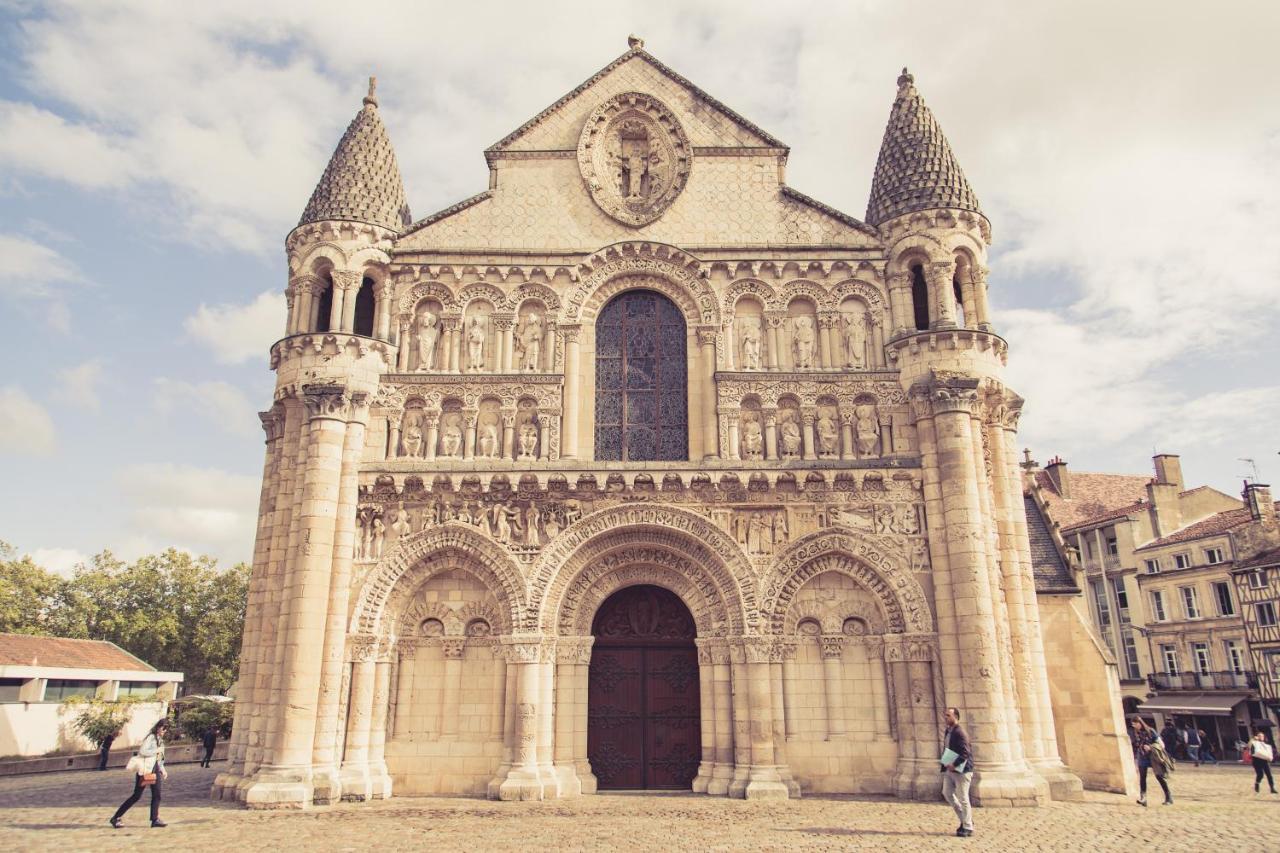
[[817, 477]]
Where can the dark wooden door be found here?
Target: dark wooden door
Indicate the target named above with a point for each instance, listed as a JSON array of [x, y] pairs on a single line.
[[643, 714]]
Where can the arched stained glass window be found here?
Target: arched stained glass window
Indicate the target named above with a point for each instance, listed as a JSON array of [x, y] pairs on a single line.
[[641, 374]]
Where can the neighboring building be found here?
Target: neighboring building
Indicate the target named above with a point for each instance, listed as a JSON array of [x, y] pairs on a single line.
[[1105, 520], [38, 674], [1257, 581], [641, 469]]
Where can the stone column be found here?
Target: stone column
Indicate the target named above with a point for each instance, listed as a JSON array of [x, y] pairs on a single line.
[[942, 291], [581, 677], [770, 433], [901, 313], [546, 721], [404, 344], [407, 649], [522, 782], [394, 420], [847, 448], [778, 653], [296, 296], [469, 435], [741, 719], [288, 779], [356, 783], [572, 656], [876, 357], [774, 321], [764, 781], [325, 749], [505, 327], [807, 417], [544, 437], [710, 435], [508, 435], [379, 778], [722, 773], [833, 683], [431, 441], [572, 392], [707, 716], [789, 687], [731, 419], [548, 354], [453, 648], [982, 309], [826, 322], [453, 329], [507, 715], [498, 689], [383, 292]]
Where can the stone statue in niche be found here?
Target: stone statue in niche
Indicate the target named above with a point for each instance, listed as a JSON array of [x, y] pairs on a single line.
[[428, 336], [411, 440], [904, 520], [477, 333], [490, 443], [750, 334], [828, 435], [400, 524], [758, 533], [638, 164], [804, 341], [528, 440], [854, 335], [377, 537], [790, 437], [451, 437], [529, 342], [920, 556], [752, 440], [532, 528], [867, 429]]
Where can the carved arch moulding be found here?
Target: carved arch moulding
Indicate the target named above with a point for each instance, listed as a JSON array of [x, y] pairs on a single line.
[[419, 556], [885, 575], [654, 265], [427, 290], [667, 536]]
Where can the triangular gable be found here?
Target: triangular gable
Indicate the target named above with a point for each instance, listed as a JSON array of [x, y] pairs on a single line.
[[557, 127]]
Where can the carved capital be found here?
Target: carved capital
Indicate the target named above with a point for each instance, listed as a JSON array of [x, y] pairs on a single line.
[[942, 271], [899, 280], [758, 649], [574, 650], [272, 424], [346, 279], [362, 648], [326, 401], [832, 645], [519, 648], [827, 320], [707, 336], [571, 332], [453, 647]]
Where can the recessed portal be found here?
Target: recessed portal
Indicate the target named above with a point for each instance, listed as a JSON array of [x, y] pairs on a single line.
[[643, 711]]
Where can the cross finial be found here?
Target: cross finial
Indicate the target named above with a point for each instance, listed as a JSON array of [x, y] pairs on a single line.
[[371, 99], [634, 42], [905, 79]]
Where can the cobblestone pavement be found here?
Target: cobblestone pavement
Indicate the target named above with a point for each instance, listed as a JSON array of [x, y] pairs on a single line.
[[1216, 810]]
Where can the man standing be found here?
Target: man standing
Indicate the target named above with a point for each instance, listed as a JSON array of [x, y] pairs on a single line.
[[210, 740], [957, 771], [1193, 742]]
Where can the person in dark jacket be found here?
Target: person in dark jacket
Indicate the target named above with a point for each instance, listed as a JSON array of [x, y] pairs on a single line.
[[958, 774], [1144, 738], [104, 751], [1171, 738], [210, 740]]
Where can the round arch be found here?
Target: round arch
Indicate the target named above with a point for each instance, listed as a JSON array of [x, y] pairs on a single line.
[[422, 555], [655, 266], [867, 562]]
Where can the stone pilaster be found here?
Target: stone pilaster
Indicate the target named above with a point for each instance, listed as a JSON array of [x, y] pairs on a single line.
[[524, 654]]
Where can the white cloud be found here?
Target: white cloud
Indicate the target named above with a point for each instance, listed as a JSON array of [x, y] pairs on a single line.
[[36, 141], [78, 385], [25, 425], [239, 333], [31, 274], [220, 403], [60, 561], [194, 509]]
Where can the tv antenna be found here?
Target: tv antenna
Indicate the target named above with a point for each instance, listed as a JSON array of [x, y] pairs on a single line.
[[1253, 465]]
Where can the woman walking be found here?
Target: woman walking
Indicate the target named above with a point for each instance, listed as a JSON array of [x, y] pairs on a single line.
[[149, 773], [1261, 754], [1149, 752]]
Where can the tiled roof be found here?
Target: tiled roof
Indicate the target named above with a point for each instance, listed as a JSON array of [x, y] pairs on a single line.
[[1094, 497], [916, 169], [1214, 525], [1266, 558], [362, 182], [26, 650], [1050, 570]]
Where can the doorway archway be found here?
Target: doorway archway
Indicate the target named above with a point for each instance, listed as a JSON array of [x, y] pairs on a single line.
[[643, 710]]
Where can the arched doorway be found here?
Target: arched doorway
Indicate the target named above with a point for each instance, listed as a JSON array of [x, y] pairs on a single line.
[[643, 714], [641, 379]]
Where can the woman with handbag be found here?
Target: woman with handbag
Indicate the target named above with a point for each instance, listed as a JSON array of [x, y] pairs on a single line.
[[1149, 753], [1261, 755], [148, 769]]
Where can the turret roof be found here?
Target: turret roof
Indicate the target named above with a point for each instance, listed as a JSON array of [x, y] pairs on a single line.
[[916, 169], [362, 182]]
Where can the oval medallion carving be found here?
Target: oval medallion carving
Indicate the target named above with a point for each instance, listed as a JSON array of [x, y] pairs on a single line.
[[635, 157]]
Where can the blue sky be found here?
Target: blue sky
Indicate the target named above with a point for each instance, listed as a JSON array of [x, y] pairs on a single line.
[[153, 156]]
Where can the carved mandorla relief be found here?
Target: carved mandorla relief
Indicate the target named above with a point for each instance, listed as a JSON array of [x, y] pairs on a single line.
[[635, 157]]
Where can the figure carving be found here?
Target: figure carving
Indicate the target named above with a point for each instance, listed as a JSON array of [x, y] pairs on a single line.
[[490, 444], [400, 524], [376, 540], [920, 556], [476, 335], [506, 522], [528, 440], [828, 436], [428, 336], [855, 339], [790, 437], [804, 341], [752, 440], [529, 342], [451, 438], [749, 332], [867, 431], [532, 534], [411, 439]]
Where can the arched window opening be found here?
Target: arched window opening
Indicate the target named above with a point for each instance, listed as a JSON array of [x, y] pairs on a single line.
[[920, 297], [364, 309], [324, 305], [641, 380], [961, 308]]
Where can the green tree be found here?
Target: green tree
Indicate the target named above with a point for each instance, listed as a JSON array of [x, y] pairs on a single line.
[[197, 716], [98, 719], [26, 593]]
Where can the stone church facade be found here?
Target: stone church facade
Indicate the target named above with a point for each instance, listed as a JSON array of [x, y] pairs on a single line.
[[640, 469]]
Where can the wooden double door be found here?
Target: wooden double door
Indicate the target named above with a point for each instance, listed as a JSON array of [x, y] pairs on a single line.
[[644, 723]]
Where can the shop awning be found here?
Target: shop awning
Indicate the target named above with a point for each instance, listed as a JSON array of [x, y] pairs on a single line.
[[1209, 704]]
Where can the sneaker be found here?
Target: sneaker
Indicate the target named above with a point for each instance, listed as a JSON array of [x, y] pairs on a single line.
[[965, 833], [1168, 801], [158, 824], [1142, 801], [115, 823]]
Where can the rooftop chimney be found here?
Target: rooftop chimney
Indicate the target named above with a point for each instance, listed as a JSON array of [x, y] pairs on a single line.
[[1164, 507], [1057, 471], [1169, 469], [1257, 497]]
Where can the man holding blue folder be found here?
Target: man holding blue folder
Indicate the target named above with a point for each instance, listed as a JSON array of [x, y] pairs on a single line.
[[957, 771]]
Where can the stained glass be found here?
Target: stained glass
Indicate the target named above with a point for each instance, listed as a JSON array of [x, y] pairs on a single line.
[[641, 374]]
